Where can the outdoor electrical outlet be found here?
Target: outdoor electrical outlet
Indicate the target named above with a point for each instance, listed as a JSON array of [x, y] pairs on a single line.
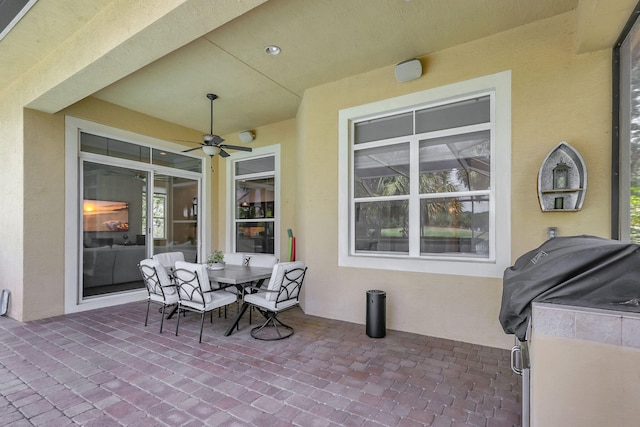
[[552, 232]]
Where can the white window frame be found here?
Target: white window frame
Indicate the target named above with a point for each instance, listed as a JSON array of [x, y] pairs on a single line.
[[500, 208], [272, 150]]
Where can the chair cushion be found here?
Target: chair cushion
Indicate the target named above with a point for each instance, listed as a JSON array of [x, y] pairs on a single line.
[[168, 300], [277, 275], [166, 283], [216, 299], [259, 300]]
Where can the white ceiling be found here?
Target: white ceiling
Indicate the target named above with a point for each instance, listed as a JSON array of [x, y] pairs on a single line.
[[321, 41]]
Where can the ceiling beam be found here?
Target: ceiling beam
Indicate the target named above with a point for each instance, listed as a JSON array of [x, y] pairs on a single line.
[[102, 53]]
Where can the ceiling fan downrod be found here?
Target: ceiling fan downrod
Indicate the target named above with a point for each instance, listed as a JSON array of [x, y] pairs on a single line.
[[212, 97]]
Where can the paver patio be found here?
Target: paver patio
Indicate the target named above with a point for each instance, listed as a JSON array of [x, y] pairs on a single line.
[[104, 368]]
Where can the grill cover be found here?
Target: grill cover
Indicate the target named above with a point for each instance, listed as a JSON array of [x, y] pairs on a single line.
[[578, 270]]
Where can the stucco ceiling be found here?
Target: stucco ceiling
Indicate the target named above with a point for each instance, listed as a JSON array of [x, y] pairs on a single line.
[[321, 41]]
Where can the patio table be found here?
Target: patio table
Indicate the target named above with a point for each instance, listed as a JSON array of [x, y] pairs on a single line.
[[239, 276]]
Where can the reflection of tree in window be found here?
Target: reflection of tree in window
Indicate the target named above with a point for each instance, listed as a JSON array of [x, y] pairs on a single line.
[[634, 154], [159, 215], [451, 147]]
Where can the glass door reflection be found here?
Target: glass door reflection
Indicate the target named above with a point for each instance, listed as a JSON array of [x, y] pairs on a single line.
[[112, 216], [174, 216]]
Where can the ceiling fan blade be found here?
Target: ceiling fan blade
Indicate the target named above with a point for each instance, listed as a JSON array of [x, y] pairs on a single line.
[[237, 147], [216, 140], [223, 153], [191, 149], [186, 140]]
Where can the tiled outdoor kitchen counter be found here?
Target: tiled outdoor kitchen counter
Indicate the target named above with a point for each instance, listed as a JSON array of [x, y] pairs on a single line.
[[585, 366]]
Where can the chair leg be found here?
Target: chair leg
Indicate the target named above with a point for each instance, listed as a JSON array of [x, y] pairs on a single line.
[[201, 326], [178, 322], [272, 321], [162, 317], [146, 318]]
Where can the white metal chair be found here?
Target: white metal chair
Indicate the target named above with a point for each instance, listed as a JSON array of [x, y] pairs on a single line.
[[234, 258], [195, 292], [161, 290], [282, 293], [168, 259], [261, 260]]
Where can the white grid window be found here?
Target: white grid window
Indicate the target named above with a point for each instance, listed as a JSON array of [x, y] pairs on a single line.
[[425, 179]]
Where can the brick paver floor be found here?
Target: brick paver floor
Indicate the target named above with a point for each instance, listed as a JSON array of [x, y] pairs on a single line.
[[104, 368]]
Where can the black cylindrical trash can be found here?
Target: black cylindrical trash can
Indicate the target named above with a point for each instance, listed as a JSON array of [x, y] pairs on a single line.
[[376, 313]]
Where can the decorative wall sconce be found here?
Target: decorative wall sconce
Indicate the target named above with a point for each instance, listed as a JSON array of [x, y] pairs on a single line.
[[562, 180]]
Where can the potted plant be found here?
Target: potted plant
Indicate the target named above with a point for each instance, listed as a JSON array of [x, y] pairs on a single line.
[[215, 261]]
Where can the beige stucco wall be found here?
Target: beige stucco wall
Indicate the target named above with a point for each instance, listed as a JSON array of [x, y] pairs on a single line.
[[12, 204], [44, 232], [556, 96]]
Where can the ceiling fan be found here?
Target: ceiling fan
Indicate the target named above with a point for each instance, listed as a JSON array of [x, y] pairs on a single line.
[[213, 144]]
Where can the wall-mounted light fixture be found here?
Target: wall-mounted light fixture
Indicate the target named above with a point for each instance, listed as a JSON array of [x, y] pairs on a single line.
[[246, 136]]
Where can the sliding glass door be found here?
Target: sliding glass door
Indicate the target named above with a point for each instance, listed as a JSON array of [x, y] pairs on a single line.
[[136, 201], [118, 217], [112, 222]]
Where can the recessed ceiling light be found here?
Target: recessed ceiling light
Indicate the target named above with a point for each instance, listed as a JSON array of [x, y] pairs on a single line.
[[272, 50]]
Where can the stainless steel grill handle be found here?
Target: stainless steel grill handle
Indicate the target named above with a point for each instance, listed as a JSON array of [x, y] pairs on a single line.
[[516, 359]]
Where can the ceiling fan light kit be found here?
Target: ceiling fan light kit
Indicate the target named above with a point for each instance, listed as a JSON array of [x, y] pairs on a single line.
[[246, 136], [210, 150], [213, 144]]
